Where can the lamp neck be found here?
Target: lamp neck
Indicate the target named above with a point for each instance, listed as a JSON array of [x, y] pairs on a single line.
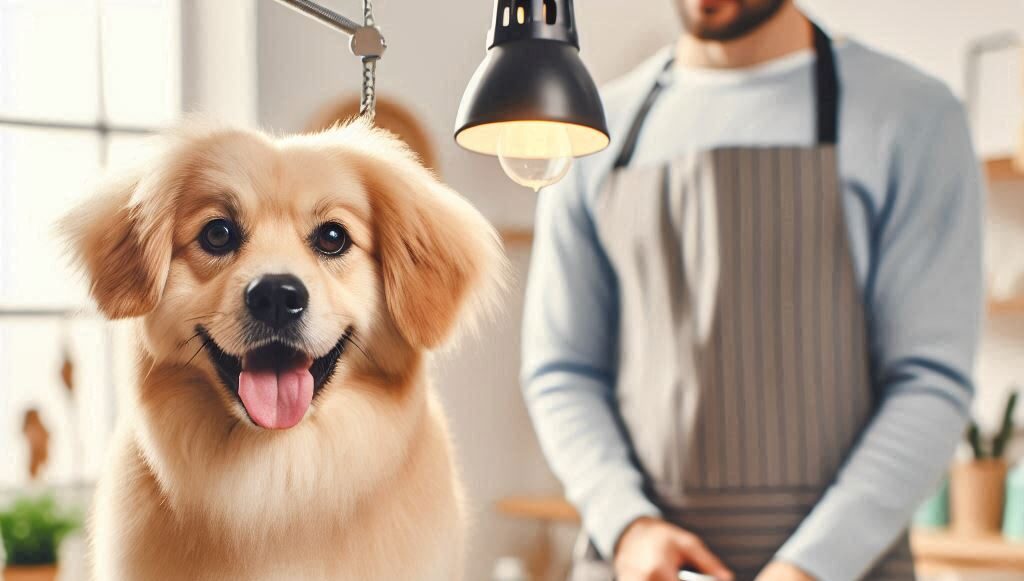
[[533, 19]]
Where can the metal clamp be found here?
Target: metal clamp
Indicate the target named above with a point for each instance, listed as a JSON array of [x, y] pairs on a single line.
[[367, 43]]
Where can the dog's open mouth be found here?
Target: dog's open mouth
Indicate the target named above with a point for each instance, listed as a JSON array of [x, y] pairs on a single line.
[[275, 383]]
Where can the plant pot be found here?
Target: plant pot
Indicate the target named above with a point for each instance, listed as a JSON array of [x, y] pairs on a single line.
[[976, 494], [31, 573]]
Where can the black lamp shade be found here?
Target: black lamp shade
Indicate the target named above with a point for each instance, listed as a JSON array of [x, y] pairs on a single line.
[[532, 74]]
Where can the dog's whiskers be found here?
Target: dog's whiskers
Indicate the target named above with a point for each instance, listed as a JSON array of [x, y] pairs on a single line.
[[352, 339], [196, 354], [187, 341], [207, 315]]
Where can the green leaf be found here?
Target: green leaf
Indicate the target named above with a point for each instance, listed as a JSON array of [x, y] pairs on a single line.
[[32, 529], [1002, 438], [974, 439]]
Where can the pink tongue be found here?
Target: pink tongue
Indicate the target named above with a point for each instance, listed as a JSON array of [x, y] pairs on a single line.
[[276, 400]]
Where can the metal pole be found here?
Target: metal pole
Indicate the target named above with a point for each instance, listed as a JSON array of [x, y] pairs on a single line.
[[324, 15]]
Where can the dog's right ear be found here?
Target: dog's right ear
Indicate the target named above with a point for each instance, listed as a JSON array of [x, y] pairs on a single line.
[[122, 238], [442, 264]]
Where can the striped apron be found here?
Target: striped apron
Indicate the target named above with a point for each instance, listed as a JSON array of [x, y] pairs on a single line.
[[743, 374]]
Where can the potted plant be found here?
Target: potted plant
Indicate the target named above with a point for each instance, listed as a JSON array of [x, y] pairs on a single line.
[[978, 486], [33, 528]]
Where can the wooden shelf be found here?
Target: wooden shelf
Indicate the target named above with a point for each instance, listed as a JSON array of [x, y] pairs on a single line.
[[1002, 169], [538, 508], [517, 236], [942, 549], [1013, 305]]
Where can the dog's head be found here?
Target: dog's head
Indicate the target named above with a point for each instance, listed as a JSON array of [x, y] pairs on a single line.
[[277, 257]]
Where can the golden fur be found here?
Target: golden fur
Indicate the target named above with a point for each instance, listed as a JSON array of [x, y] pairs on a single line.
[[364, 487]]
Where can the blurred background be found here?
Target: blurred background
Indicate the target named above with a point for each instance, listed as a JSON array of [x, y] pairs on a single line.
[[83, 81]]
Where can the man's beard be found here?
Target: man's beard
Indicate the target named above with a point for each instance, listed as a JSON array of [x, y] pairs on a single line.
[[751, 15]]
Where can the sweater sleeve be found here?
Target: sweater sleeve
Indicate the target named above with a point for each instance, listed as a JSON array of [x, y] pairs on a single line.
[[924, 296], [569, 352]]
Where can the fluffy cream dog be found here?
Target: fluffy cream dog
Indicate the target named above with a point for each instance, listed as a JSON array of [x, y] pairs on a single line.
[[289, 291]]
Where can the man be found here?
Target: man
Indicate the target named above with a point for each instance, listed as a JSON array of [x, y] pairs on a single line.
[[750, 322]]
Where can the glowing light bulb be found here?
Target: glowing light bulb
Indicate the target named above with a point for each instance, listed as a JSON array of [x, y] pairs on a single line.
[[535, 153]]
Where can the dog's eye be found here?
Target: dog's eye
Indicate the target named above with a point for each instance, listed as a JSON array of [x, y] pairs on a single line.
[[331, 239], [219, 236]]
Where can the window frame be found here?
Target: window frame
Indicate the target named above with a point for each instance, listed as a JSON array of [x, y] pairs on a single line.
[[112, 371]]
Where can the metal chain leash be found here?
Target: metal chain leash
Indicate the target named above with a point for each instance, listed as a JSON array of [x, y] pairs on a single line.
[[368, 13], [368, 100], [367, 43]]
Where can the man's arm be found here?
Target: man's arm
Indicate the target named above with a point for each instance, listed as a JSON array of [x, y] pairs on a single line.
[[569, 352], [924, 299]]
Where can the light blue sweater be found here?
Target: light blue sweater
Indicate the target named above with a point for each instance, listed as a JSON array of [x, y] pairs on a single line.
[[913, 200]]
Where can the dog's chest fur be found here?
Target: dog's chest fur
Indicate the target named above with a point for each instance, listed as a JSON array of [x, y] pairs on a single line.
[[406, 526]]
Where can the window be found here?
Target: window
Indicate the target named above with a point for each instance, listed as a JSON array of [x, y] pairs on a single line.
[[81, 83]]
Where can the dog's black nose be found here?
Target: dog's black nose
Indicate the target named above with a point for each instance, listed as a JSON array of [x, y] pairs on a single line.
[[276, 299]]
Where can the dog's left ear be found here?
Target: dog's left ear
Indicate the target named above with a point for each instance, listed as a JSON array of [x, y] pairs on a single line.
[[441, 261], [121, 236]]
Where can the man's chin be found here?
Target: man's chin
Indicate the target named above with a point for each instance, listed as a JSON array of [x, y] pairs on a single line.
[[729, 21]]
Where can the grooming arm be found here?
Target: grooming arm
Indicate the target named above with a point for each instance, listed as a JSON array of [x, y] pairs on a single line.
[[366, 42]]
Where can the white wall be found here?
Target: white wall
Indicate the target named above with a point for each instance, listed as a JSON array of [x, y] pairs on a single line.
[[219, 59], [935, 36], [434, 48]]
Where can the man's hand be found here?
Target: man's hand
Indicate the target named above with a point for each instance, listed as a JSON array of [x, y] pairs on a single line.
[[782, 571], [653, 550]]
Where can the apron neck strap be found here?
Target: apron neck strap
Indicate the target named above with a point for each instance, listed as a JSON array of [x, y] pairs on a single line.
[[826, 86]]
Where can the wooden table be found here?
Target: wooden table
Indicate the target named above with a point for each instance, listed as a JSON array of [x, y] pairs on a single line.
[[945, 550], [933, 550]]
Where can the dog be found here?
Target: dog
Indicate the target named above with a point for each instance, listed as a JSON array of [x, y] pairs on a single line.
[[288, 292]]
